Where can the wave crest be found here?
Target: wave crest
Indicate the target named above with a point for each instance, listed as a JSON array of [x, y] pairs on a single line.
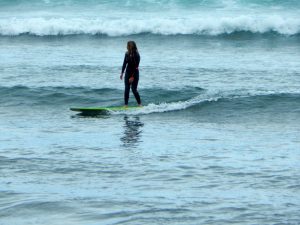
[[162, 26]]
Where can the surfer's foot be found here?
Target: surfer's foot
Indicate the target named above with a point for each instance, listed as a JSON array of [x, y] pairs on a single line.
[[125, 106], [140, 105]]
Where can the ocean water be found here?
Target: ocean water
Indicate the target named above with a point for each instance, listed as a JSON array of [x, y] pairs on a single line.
[[218, 138]]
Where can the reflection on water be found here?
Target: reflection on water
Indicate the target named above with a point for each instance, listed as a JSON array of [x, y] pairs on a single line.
[[132, 131]]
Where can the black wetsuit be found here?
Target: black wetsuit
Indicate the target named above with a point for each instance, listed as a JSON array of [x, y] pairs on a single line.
[[131, 63]]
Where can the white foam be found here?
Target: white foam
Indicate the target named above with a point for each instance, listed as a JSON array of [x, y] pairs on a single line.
[[208, 97], [173, 106], [200, 25]]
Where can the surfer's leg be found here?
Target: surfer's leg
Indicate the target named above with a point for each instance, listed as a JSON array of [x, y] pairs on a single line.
[[134, 90], [126, 92]]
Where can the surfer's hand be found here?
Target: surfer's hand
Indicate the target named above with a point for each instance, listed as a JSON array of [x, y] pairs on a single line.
[[121, 76], [131, 79]]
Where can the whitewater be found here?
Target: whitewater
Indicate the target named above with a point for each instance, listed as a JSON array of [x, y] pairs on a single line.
[[121, 18], [205, 25]]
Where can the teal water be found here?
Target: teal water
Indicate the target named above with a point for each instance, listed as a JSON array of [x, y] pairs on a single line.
[[217, 141]]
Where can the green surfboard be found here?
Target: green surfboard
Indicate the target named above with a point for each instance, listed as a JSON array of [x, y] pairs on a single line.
[[103, 109]]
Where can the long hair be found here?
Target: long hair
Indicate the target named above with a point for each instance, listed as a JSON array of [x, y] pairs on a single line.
[[131, 47]]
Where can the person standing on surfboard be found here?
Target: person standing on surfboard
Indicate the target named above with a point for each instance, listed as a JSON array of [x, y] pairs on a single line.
[[131, 64]]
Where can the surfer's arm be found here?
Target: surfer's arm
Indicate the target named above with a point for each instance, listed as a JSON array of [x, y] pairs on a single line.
[[138, 58], [124, 64], [123, 67]]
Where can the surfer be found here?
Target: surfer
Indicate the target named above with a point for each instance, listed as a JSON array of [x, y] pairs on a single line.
[[131, 64]]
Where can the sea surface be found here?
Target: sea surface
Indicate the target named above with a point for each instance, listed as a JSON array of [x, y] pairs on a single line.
[[216, 142]]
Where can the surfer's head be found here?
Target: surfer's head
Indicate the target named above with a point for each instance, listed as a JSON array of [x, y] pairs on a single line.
[[131, 47]]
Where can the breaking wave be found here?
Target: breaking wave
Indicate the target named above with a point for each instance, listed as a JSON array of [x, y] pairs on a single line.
[[211, 26]]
